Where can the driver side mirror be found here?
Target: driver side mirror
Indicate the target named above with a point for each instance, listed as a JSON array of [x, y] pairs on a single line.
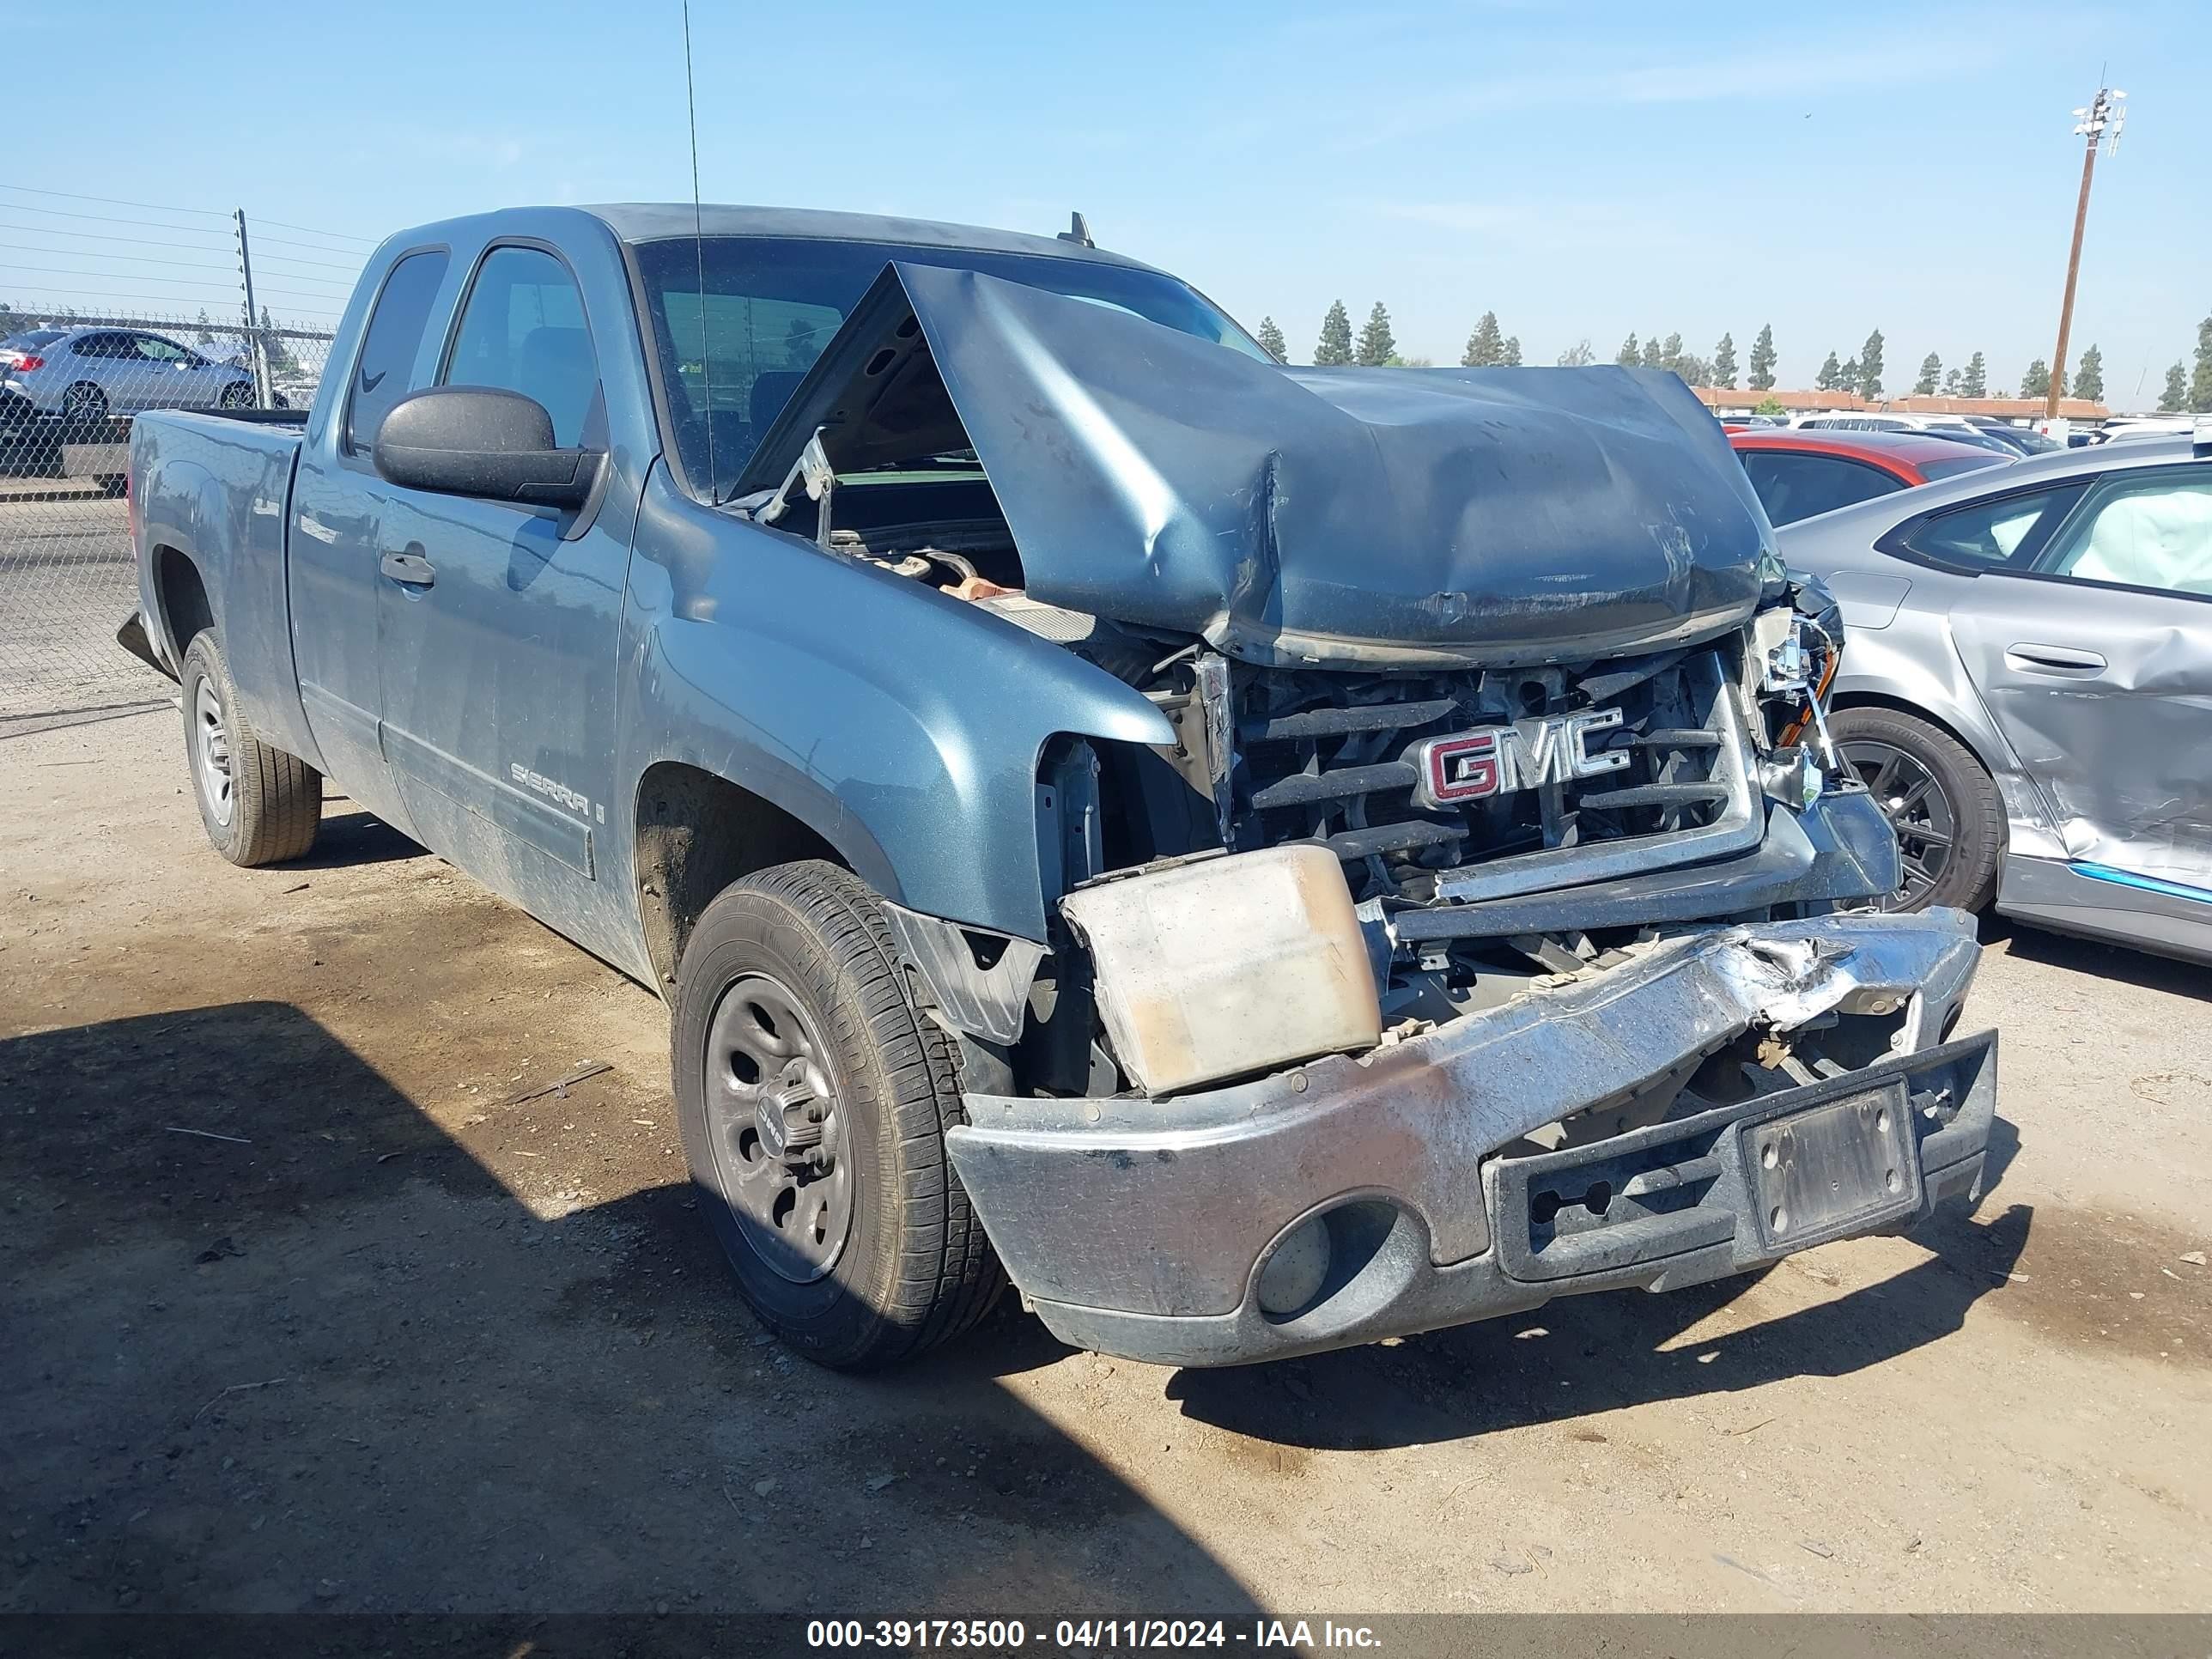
[[482, 441]]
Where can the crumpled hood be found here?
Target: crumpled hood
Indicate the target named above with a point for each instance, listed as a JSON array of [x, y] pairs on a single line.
[[1340, 516]]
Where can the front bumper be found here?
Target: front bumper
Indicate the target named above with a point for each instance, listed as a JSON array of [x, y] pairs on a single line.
[[1139, 1227]]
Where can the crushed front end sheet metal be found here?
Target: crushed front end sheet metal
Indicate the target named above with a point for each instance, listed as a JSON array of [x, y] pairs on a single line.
[[1441, 517], [1140, 1226]]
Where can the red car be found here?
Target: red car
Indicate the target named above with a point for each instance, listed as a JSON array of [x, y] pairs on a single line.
[[1796, 473]]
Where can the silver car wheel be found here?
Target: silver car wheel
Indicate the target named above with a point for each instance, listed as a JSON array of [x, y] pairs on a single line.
[[211, 753], [1919, 811]]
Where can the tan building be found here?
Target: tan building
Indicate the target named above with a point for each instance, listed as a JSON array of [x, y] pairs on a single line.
[[1736, 400]]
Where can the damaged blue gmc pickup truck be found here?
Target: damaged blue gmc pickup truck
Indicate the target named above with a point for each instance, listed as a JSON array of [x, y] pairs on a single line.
[[1266, 858]]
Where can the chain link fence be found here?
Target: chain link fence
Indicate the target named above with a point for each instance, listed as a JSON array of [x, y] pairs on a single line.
[[72, 378]]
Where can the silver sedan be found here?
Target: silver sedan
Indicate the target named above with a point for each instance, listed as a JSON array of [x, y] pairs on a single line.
[[2027, 685], [87, 376]]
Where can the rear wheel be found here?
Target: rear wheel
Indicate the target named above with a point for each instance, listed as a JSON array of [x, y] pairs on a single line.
[[237, 395], [259, 805], [84, 408], [814, 1097], [1944, 807]]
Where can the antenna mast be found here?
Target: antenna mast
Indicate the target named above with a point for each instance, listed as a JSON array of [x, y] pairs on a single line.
[[699, 253]]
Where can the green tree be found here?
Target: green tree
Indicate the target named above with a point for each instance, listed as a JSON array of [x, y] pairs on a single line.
[[1334, 349], [1485, 347], [1272, 340], [281, 359], [1975, 382], [1763, 356], [1378, 345], [1870, 365], [1654, 355], [1847, 380], [1724, 363], [1951, 382], [799, 346], [1578, 355], [2175, 398], [2035, 382], [2089, 376], [1931, 371], [1770, 405], [1628, 356], [2200, 382], [1831, 376], [1670, 353], [207, 332], [1512, 356]]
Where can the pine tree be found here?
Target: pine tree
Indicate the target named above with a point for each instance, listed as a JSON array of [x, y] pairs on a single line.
[[2036, 381], [1485, 347], [1870, 365], [1830, 375], [1628, 356], [2089, 376], [1511, 358], [1578, 355], [1333, 350], [1654, 357], [1848, 379], [1272, 340], [2200, 382], [207, 333], [1763, 356], [1951, 382], [281, 359], [1377, 345], [799, 349], [1670, 354], [1975, 382], [1931, 371], [1724, 363], [2175, 398]]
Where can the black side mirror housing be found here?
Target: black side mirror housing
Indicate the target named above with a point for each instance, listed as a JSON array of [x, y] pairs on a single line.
[[483, 441]]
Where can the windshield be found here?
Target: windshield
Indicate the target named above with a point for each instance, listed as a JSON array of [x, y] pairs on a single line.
[[772, 303]]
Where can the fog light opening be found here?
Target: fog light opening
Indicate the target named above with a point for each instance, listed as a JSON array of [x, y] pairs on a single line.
[[1297, 1270]]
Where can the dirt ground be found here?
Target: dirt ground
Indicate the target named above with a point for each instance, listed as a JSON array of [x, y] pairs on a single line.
[[372, 1338]]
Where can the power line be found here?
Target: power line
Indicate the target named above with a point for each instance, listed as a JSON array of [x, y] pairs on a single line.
[[135, 258], [337, 236], [111, 219], [113, 200], [104, 236]]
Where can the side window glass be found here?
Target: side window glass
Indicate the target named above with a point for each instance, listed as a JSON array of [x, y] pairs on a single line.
[[158, 350], [1991, 532], [523, 330], [391, 343], [1793, 487], [96, 346], [2149, 531]]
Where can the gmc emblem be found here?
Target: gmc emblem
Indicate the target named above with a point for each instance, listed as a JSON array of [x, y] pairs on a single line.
[[1497, 759]]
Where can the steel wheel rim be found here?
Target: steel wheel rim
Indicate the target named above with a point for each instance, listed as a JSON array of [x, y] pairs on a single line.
[[211, 751], [1919, 811], [776, 1127]]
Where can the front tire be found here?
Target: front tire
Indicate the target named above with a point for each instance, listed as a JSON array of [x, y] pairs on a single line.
[[259, 805], [814, 1097], [1944, 807]]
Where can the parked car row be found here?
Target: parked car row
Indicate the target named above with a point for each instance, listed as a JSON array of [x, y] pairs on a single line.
[[61, 383], [2030, 662]]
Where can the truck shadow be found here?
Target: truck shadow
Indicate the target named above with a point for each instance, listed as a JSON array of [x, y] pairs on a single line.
[[1583, 1355], [347, 838], [276, 1342]]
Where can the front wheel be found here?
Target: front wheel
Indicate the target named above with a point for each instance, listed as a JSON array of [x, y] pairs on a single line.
[[1944, 807], [259, 805], [239, 394], [84, 409], [814, 1098]]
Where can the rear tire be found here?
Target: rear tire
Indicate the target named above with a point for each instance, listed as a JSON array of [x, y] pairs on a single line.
[[1944, 806], [793, 1021], [259, 805]]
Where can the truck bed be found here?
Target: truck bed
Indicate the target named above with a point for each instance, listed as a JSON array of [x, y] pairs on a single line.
[[217, 489]]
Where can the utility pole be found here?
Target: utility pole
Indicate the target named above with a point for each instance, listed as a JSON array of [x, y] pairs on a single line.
[[2100, 123], [260, 348]]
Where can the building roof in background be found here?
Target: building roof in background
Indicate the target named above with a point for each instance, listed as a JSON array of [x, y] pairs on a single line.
[[1798, 402]]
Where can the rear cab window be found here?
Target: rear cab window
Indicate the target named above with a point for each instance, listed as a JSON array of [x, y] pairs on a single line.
[[390, 344]]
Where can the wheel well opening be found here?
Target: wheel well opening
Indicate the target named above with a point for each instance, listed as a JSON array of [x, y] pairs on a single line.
[[698, 833], [1898, 706], [183, 599]]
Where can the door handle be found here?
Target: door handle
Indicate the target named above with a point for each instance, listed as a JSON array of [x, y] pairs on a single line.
[[411, 568], [2054, 659]]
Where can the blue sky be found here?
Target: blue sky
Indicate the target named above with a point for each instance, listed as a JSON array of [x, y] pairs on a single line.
[[1583, 170]]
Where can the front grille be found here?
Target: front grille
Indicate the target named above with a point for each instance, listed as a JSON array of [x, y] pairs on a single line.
[[1327, 758]]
